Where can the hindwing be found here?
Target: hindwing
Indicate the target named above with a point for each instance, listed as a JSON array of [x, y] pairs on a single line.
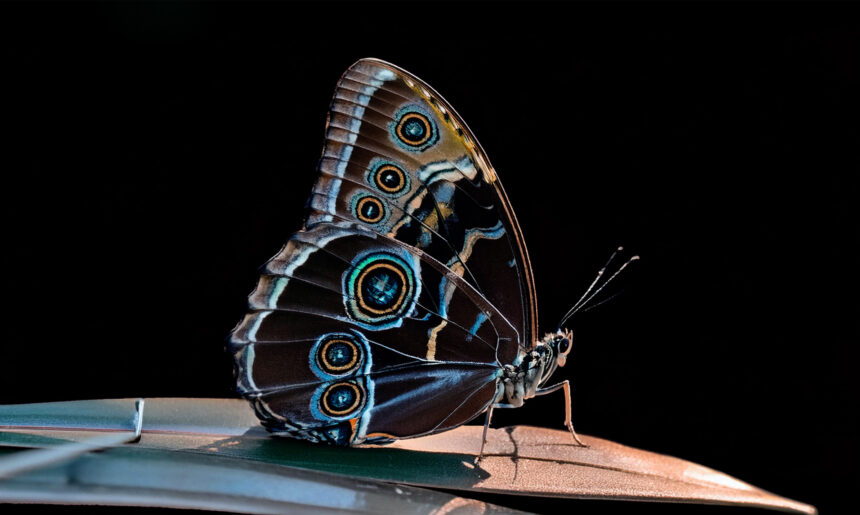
[[340, 304]]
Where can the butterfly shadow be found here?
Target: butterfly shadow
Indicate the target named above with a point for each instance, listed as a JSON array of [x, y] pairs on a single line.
[[517, 460], [389, 463]]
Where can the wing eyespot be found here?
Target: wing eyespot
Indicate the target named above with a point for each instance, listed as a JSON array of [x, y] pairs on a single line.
[[414, 129], [380, 288], [389, 179], [338, 355], [341, 399], [369, 209]]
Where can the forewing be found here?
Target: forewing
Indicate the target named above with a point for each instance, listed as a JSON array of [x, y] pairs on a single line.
[[400, 161]]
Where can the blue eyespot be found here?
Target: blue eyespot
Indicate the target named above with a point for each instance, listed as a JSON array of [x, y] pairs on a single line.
[[388, 178], [368, 209], [339, 400], [341, 396], [337, 355], [340, 354], [380, 289], [414, 129]]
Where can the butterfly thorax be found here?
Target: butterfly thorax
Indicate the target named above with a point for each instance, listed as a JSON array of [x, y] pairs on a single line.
[[521, 380]]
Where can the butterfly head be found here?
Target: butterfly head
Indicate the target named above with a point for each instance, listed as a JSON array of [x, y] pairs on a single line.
[[561, 342]]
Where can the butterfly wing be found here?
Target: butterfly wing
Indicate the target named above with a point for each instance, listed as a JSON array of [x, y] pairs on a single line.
[[335, 345], [390, 314], [370, 408], [400, 161]]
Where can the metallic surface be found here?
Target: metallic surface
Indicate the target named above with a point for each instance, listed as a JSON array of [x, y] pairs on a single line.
[[149, 477], [23, 462], [518, 460]]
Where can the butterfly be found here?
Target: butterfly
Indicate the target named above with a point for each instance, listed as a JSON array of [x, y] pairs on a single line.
[[405, 306]]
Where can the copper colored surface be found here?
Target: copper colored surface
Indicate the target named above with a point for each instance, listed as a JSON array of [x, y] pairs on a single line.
[[539, 461]]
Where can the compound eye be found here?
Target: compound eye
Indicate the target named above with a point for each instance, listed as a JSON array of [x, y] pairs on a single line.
[[564, 346]]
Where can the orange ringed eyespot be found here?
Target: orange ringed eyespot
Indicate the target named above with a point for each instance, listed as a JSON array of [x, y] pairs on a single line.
[[338, 355], [370, 210], [389, 179], [387, 297], [414, 129], [341, 399]]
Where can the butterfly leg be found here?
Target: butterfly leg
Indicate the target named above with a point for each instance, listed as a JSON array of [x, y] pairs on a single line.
[[484, 435], [564, 385], [487, 426]]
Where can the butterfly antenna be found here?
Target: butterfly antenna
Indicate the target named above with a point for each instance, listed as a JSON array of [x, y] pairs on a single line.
[[572, 310], [602, 302], [602, 286]]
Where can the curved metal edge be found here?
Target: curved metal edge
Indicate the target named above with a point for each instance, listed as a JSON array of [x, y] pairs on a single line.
[[135, 476]]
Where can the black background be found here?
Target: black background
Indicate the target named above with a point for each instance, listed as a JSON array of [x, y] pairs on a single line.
[[157, 154]]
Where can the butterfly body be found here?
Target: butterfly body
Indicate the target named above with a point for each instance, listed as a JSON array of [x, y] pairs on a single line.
[[405, 306], [524, 380]]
